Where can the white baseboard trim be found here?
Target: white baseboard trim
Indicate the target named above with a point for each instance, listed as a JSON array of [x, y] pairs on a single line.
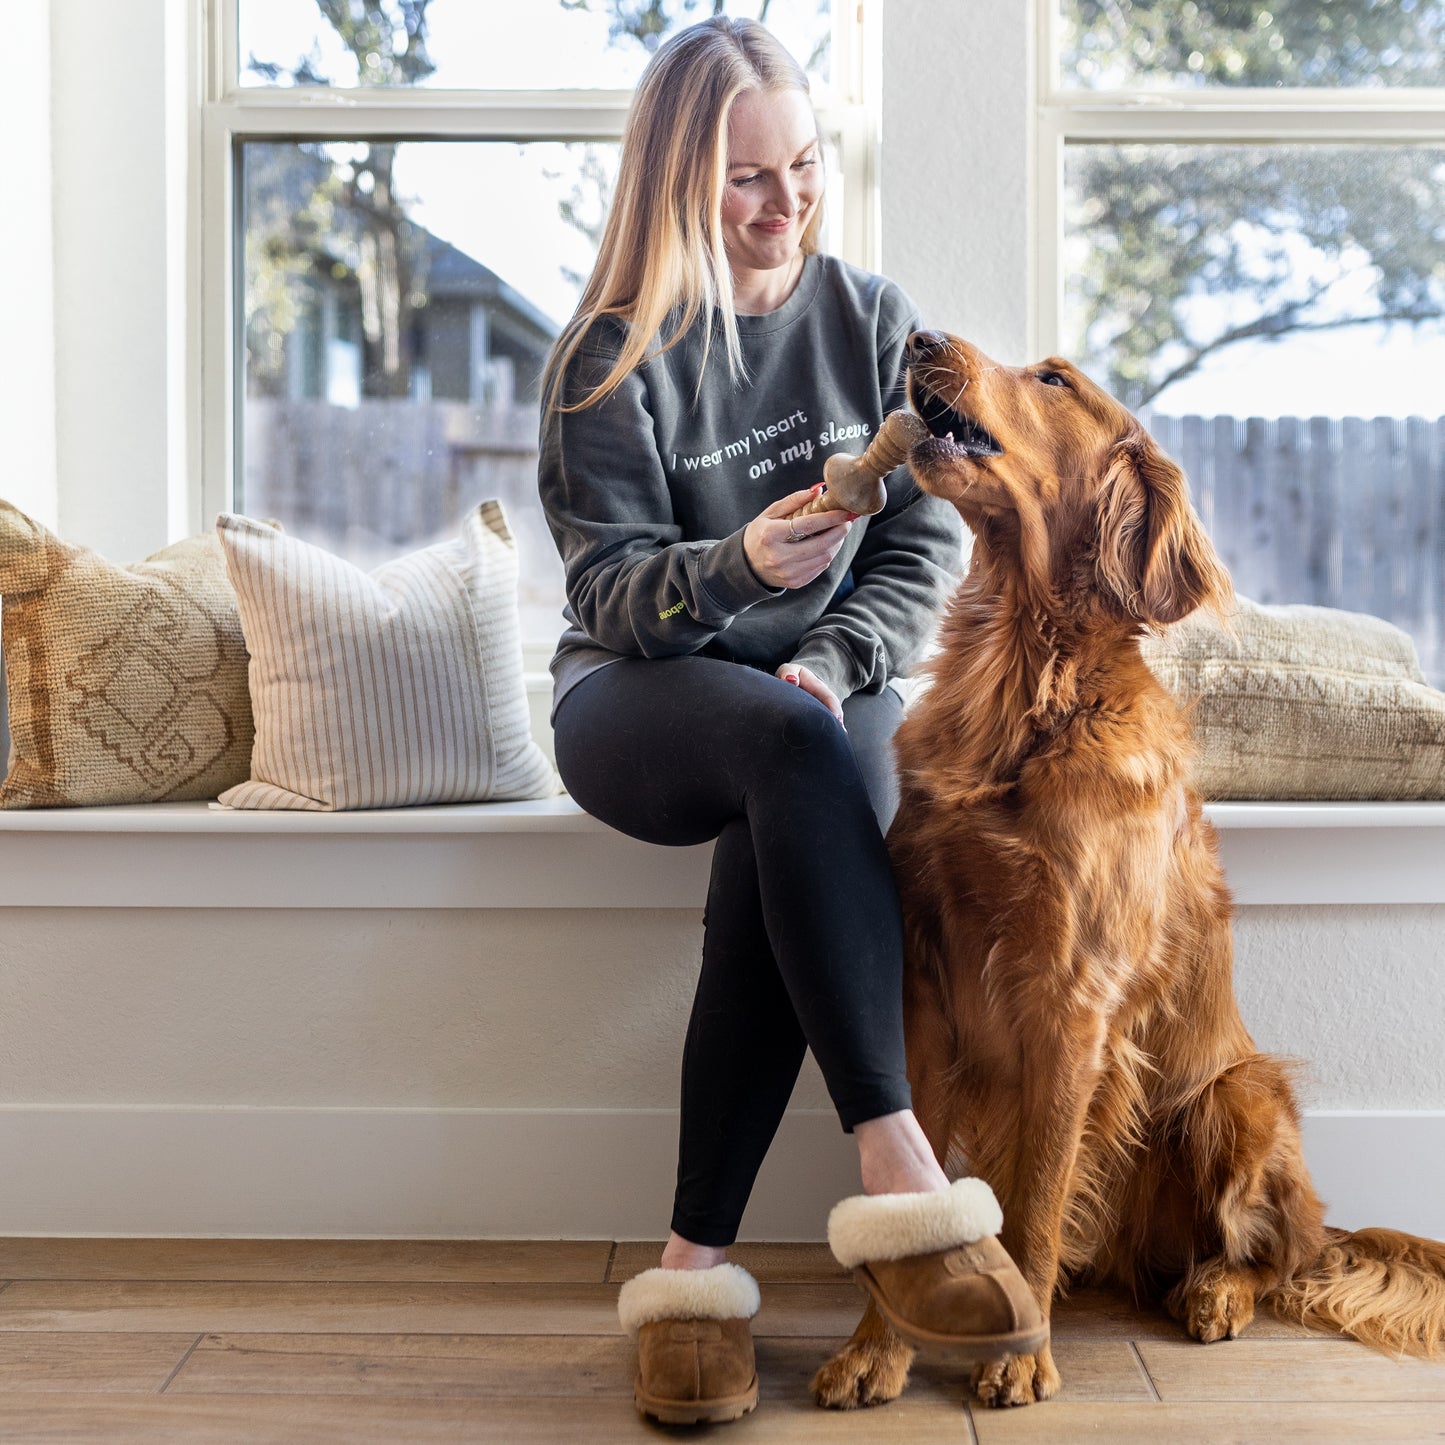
[[217, 1172]]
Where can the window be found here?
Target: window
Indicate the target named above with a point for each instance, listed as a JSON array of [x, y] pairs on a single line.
[[1242, 225], [402, 201]]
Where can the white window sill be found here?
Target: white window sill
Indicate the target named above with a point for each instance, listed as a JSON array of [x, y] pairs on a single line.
[[550, 854]]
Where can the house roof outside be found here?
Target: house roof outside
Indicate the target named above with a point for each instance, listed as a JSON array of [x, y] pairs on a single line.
[[453, 275]]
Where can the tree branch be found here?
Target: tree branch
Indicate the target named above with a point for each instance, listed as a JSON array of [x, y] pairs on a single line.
[[1276, 324]]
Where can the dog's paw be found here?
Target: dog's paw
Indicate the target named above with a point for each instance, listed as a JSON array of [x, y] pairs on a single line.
[[1018, 1380], [1216, 1304], [871, 1372]]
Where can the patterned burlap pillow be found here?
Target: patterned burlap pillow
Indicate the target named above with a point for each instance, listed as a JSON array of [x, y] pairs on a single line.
[[385, 689], [126, 684], [5, 757], [1305, 703]]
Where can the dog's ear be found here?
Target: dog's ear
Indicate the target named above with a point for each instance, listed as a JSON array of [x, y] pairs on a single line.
[[1154, 556]]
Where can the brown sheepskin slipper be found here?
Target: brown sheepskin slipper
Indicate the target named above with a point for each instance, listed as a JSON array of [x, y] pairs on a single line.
[[936, 1272], [694, 1345]]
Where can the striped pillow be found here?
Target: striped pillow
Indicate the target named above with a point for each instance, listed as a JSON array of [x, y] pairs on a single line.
[[386, 689]]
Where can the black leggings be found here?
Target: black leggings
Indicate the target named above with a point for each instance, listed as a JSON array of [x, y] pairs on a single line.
[[802, 941]]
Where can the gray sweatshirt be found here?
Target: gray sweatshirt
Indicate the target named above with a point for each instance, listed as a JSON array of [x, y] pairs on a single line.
[[647, 495]]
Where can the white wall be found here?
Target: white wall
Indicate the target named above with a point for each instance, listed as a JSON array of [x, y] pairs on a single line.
[[513, 1072], [27, 264], [957, 230], [572, 1008], [116, 299]]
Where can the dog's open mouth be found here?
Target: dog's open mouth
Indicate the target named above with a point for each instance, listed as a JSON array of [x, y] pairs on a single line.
[[965, 435]]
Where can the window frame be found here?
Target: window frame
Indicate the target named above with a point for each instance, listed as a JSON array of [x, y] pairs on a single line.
[[1246, 115], [230, 114]]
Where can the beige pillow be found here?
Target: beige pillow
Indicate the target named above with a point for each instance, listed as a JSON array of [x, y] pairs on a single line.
[[125, 684], [1305, 702], [385, 689]]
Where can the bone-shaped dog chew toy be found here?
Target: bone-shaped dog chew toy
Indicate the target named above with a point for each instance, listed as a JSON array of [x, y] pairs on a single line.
[[855, 484]]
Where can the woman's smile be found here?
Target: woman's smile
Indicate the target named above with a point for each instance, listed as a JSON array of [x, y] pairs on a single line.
[[774, 187]]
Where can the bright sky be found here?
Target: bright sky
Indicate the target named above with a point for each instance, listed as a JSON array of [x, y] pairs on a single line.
[[503, 44], [1354, 371], [488, 200]]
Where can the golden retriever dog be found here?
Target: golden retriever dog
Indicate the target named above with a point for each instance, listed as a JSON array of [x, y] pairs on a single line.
[[1071, 1025]]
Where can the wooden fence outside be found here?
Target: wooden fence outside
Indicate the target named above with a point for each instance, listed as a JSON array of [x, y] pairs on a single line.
[[1338, 512], [385, 477]]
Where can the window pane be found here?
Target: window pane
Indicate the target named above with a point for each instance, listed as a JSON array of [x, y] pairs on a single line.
[[1165, 45], [400, 302], [499, 44], [1302, 286]]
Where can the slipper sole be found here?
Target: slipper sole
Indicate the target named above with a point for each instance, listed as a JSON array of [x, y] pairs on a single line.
[[696, 1412]]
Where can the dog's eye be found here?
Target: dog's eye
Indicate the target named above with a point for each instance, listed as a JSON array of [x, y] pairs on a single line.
[[1052, 378]]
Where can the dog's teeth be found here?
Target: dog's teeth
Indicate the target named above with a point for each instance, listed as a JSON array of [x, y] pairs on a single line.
[[950, 436]]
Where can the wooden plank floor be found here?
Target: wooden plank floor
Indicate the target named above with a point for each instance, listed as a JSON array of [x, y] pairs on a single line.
[[363, 1341]]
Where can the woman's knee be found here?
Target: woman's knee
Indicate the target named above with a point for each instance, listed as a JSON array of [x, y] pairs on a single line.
[[802, 733]]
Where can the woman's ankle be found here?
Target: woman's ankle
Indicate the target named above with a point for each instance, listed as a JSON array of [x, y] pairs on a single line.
[[895, 1158], [680, 1253]]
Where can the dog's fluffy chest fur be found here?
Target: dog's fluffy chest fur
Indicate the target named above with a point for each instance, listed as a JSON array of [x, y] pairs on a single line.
[[1061, 794]]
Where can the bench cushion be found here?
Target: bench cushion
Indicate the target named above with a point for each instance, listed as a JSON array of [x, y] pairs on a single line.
[[1300, 702]]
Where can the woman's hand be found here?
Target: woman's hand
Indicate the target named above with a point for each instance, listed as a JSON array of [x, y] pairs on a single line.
[[810, 682], [777, 558]]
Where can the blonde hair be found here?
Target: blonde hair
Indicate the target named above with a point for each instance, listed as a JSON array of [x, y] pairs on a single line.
[[662, 246]]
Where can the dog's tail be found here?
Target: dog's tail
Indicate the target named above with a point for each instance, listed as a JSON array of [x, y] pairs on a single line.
[[1385, 1288]]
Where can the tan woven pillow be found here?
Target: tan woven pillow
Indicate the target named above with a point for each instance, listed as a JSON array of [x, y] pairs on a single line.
[[1305, 702], [385, 689], [126, 684]]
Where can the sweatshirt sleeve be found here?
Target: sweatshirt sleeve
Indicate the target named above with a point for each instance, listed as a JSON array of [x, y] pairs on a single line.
[[907, 564], [635, 586]]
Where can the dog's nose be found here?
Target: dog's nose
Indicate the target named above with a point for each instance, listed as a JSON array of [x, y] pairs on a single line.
[[923, 344]]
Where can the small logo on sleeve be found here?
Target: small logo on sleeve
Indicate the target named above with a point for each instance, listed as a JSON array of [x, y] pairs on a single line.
[[671, 611]]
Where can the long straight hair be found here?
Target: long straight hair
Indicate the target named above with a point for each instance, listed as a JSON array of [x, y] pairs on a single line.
[[662, 246]]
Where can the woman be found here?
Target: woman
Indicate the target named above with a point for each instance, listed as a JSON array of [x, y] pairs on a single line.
[[724, 673]]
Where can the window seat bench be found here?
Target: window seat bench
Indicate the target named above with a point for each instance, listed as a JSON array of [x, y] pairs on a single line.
[[548, 853]]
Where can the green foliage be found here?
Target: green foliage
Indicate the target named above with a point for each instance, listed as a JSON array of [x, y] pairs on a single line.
[[1279, 238], [388, 41], [313, 214], [288, 217], [1245, 43], [650, 22]]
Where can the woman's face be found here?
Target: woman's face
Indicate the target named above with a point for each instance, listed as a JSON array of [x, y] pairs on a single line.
[[775, 178]]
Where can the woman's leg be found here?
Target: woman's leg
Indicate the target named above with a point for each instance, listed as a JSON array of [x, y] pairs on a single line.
[[743, 1051], [871, 719], [895, 1155], [742, 1010], [679, 750]]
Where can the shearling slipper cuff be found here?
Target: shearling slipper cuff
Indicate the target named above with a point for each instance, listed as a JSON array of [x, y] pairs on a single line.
[[724, 1292], [894, 1226]]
